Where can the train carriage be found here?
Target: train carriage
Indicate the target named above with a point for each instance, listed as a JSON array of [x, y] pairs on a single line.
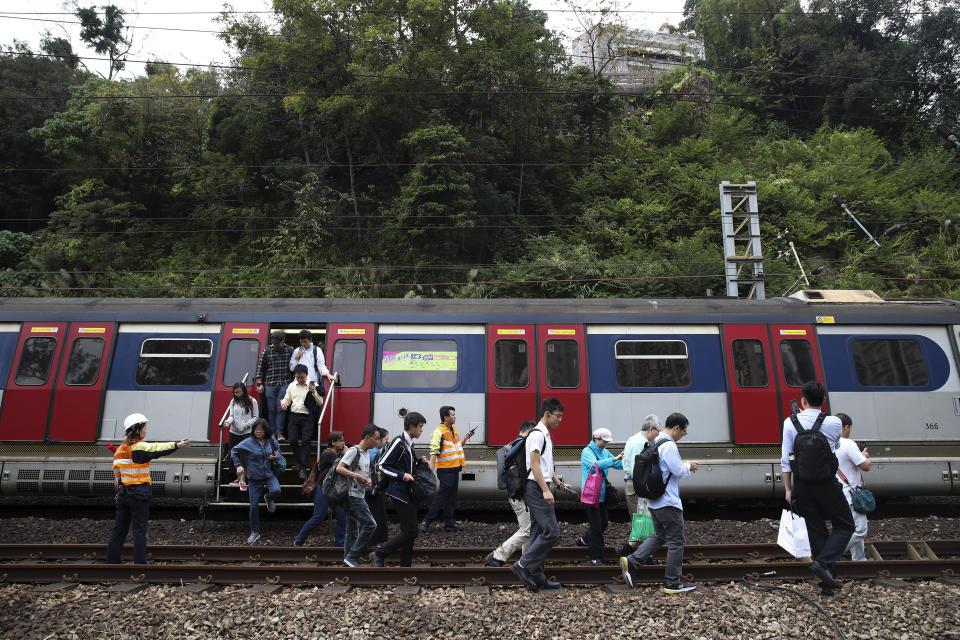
[[71, 369]]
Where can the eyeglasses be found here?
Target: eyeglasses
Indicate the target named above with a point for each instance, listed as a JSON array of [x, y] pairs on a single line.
[[558, 416]]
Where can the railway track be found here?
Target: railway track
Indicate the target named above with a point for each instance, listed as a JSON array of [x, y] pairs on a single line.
[[182, 564]]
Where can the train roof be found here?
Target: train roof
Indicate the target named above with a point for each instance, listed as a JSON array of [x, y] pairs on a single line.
[[460, 310]]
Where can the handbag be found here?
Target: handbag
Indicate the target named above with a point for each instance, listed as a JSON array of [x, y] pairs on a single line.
[[310, 484], [793, 534], [642, 526], [610, 495], [425, 484], [279, 464], [861, 499], [592, 487]]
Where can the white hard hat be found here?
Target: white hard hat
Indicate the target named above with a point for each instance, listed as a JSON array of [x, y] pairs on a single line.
[[134, 419]]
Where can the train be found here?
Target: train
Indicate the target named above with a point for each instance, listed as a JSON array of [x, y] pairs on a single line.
[[71, 369]]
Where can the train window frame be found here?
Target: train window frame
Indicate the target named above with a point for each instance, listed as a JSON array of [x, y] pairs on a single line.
[[497, 358], [901, 384], [763, 361], [169, 356], [683, 378], [548, 373], [402, 382], [96, 376], [783, 369], [226, 362], [345, 381], [23, 350]]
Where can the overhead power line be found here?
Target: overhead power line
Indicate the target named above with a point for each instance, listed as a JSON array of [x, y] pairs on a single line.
[[472, 10]]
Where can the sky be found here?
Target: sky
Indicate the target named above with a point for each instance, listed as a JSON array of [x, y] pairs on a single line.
[[177, 30]]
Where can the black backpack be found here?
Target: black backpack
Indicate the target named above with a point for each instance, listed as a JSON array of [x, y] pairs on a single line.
[[335, 487], [814, 462], [380, 479], [512, 468], [648, 479]]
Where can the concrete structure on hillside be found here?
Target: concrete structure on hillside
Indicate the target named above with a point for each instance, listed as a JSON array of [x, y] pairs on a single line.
[[633, 59]]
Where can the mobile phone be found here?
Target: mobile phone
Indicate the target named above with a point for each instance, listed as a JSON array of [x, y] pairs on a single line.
[[472, 431]]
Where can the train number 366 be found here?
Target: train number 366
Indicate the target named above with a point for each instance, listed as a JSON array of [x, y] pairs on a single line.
[[933, 425]]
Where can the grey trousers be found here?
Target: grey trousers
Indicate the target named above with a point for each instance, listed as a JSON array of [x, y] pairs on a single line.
[[667, 528], [544, 530]]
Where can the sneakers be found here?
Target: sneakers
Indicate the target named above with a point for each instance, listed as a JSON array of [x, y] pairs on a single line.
[[375, 559], [271, 503], [678, 587], [424, 526], [297, 543], [351, 562], [254, 536], [302, 473], [491, 561], [581, 542], [625, 570], [824, 574], [595, 563], [243, 485], [456, 526]]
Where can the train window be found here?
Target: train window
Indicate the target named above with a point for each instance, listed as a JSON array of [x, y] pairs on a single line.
[[563, 364], [243, 355], [511, 364], [796, 357], [83, 366], [749, 363], [419, 364], [889, 363], [167, 362], [350, 359], [652, 363], [35, 361]]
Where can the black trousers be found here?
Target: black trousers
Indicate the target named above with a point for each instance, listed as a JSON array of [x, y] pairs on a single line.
[[131, 508], [377, 502], [598, 520], [402, 542], [818, 503], [445, 501], [300, 428]]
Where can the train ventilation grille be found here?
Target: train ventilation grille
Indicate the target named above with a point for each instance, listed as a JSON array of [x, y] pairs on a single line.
[[53, 481], [78, 481], [103, 482], [158, 480], [28, 481]]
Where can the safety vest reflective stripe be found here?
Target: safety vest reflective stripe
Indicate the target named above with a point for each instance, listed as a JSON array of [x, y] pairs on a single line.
[[128, 471], [451, 452]]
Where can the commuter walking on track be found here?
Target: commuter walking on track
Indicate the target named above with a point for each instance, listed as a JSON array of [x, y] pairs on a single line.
[[596, 454], [666, 510], [809, 466], [852, 463], [447, 460], [253, 459], [521, 537], [544, 528], [131, 474]]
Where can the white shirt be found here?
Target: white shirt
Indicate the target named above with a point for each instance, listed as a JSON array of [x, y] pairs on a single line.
[[307, 360], [848, 457], [539, 440], [830, 428]]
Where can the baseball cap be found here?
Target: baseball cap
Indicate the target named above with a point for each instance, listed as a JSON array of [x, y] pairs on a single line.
[[603, 434]]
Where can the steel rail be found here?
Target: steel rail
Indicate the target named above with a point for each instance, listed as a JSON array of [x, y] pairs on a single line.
[[425, 555], [449, 576]]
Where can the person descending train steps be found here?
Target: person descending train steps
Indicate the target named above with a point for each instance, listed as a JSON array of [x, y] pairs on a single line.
[[131, 476], [273, 376], [241, 416], [301, 398], [336, 446], [253, 458]]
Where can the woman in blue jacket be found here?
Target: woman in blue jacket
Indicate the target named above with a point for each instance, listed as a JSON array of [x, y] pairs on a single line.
[[252, 458], [596, 453], [397, 465]]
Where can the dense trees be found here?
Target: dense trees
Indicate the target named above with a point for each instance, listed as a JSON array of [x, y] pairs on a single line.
[[391, 148]]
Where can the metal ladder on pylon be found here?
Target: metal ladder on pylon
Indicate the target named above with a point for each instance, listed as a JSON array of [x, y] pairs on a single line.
[[741, 239]]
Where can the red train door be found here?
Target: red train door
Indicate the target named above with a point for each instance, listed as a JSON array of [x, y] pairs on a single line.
[[797, 362], [350, 352], [241, 344], [26, 400], [81, 383], [754, 407], [563, 375], [511, 383]]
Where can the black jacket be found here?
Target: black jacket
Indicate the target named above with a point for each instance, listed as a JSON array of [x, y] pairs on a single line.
[[398, 461]]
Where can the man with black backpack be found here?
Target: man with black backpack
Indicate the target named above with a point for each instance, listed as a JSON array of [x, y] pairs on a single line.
[[510, 476], [809, 466], [664, 505]]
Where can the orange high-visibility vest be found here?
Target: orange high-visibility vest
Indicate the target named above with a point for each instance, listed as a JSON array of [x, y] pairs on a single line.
[[126, 470], [451, 451]]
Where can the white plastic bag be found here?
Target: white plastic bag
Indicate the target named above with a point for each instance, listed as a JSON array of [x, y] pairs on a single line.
[[793, 535]]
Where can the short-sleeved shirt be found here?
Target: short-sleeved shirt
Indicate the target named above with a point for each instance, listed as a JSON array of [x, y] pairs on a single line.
[[362, 467], [539, 440], [848, 457], [830, 428]]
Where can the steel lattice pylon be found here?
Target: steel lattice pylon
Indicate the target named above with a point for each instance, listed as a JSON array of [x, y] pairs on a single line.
[[741, 239]]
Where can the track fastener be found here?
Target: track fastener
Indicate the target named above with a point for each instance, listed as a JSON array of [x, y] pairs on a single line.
[[205, 579], [70, 578], [273, 580], [479, 582], [411, 581], [137, 577], [344, 580]]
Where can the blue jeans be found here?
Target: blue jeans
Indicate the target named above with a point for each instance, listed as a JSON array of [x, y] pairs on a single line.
[[278, 417], [256, 489], [446, 499], [130, 508], [320, 511], [360, 527]]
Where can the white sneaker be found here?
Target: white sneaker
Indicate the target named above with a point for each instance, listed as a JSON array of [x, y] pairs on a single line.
[[253, 537], [625, 570]]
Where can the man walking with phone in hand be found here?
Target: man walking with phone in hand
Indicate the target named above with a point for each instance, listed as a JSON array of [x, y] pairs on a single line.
[[447, 460]]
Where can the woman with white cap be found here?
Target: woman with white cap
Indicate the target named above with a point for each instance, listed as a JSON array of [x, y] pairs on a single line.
[[131, 474], [596, 453]]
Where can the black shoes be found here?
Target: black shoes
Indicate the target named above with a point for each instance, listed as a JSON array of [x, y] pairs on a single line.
[[550, 584], [581, 542], [456, 527], [424, 526], [491, 561], [525, 576], [824, 574], [375, 559], [302, 473], [678, 587], [595, 563]]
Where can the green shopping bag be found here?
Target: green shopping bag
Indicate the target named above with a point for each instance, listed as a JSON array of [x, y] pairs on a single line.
[[642, 527]]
